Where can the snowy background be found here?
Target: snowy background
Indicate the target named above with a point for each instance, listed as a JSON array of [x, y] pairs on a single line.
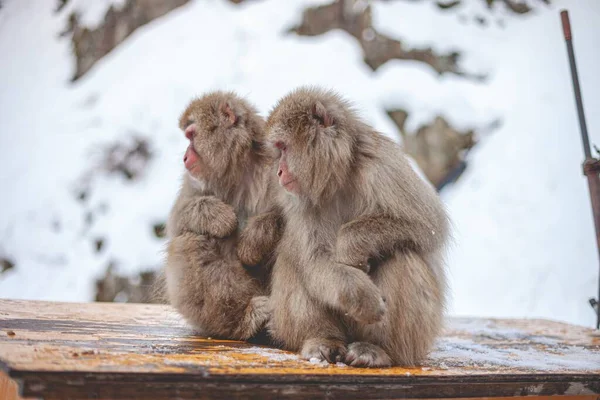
[[524, 239]]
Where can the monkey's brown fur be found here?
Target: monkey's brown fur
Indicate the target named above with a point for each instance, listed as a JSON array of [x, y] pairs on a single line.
[[359, 274], [205, 279]]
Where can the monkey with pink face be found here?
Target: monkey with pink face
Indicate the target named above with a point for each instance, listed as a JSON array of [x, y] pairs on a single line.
[[223, 227], [359, 275]]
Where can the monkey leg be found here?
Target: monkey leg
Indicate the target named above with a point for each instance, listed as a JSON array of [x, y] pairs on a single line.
[[299, 322], [414, 294], [212, 291]]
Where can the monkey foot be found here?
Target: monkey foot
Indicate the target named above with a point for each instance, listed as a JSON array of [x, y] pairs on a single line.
[[362, 354], [329, 350]]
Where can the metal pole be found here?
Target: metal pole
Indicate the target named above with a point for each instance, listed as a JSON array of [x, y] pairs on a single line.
[[566, 25], [591, 166]]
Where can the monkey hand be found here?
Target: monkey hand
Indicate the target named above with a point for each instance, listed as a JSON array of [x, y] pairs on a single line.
[[360, 298], [348, 253], [209, 215], [259, 238]]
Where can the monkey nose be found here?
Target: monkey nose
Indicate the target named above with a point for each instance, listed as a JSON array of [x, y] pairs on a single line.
[[279, 172]]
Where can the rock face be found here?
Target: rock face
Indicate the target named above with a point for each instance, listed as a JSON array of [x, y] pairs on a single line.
[[438, 148], [354, 17], [128, 159], [6, 265], [516, 6], [90, 46], [140, 288]]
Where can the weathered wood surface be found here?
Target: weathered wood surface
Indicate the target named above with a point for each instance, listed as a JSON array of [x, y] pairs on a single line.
[[9, 389], [107, 350]]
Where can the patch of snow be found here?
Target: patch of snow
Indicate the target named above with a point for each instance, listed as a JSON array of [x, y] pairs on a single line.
[[525, 241], [316, 361], [269, 353], [486, 329], [462, 352]]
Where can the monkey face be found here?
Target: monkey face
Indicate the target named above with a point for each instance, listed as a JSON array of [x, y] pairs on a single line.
[[220, 128], [191, 159], [315, 150], [287, 179]]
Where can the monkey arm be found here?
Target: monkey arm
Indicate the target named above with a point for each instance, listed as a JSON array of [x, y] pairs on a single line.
[[341, 287], [207, 215], [377, 235], [259, 238]]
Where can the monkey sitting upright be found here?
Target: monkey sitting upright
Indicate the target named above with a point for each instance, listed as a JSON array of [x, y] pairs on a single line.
[[359, 275], [227, 182]]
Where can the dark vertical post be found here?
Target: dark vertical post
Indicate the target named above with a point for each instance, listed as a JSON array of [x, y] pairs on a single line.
[[591, 166], [566, 24]]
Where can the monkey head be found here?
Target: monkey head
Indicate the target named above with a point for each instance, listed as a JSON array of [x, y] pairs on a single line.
[[224, 131], [314, 133]]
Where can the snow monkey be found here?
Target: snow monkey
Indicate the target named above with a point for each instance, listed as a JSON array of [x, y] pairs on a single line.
[[222, 219], [359, 275]]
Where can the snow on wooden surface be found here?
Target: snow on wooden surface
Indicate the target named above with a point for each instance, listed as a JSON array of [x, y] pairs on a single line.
[[518, 346], [100, 337]]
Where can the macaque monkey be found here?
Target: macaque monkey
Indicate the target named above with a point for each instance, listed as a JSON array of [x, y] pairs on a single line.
[[359, 275], [222, 220]]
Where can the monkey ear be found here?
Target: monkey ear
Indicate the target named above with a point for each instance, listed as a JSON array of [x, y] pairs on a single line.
[[320, 113], [229, 114]]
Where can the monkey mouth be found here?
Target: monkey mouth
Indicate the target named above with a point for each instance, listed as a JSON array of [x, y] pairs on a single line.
[[190, 158], [285, 184], [291, 186]]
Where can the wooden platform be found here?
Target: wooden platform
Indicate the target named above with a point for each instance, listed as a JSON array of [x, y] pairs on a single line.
[[127, 351]]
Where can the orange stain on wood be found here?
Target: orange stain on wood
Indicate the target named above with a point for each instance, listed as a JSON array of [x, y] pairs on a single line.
[[9, 390]]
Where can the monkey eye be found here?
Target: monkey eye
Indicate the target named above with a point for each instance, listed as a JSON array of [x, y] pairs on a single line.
[[280, 145]]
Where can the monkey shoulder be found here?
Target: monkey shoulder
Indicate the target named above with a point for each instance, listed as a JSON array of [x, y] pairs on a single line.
[[388, 184]]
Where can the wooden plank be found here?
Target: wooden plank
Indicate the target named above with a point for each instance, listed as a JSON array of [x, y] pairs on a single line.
[[9, 390], [107, 350]]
